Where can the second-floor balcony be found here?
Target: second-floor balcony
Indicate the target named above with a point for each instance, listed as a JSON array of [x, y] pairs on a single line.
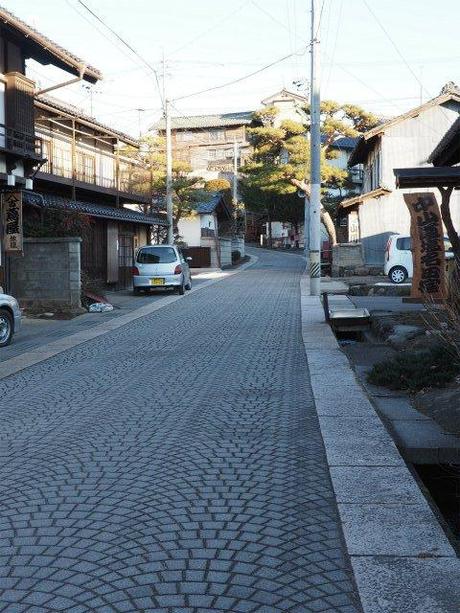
[[20, 144], [93, 167]]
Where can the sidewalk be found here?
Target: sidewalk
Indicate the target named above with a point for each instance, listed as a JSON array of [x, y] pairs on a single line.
[[402, 560]]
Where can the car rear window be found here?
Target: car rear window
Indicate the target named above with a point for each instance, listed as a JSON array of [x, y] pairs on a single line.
[[156, 255], [404, 244]]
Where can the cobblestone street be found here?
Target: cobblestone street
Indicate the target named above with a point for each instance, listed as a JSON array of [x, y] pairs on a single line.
[[174, 465]]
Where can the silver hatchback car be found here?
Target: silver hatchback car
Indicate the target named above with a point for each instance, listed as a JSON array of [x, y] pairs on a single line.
[[10, 318], [161, 266]]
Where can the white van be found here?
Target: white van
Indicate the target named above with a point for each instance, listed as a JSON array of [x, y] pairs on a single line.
[[398, 257]]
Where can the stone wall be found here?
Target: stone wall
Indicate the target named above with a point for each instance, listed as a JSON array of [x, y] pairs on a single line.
[[48, 276], [238, 245], [347, 258], [225, 252], [210, 242]]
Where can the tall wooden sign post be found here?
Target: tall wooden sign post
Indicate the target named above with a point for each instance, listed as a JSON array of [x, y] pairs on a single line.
[[11, 233], [429, 280]]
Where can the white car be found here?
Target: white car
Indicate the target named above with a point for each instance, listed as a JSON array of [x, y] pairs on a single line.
[[161, 266], [10, 318], [398, 257]]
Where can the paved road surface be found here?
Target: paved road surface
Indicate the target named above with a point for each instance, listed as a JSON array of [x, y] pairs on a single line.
[[174, 465]]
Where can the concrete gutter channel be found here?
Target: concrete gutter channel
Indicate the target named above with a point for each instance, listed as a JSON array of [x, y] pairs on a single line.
[[19, 362], [401, 557]]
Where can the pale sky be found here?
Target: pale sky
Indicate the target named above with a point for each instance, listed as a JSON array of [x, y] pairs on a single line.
[[210, 42]]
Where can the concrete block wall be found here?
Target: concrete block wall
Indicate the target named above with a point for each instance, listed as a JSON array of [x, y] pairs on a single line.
[[48, 276], [225, 245], [238, 245]]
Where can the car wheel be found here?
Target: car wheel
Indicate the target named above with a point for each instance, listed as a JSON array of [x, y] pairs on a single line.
[[6, 327], [189, 284], [397, 274]]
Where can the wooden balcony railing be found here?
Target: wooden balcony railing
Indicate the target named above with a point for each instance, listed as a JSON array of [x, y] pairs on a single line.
[[20, 143]]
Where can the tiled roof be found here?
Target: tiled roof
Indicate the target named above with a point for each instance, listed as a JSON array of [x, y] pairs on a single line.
[[79, 114], [92, 209], [345, 142], [208, 206], [447, 151], [48, 48], [207, 121]]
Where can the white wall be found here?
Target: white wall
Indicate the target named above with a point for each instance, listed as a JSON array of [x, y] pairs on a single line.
[[190, 230], [208, 221]]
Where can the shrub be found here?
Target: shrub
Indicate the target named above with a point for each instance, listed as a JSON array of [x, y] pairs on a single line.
[[217, 185], [415, 370]]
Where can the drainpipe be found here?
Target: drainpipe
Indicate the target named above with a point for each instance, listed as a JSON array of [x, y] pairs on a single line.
[[64, 83]]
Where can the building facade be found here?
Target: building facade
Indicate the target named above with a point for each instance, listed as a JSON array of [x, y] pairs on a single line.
[[404, 141], [54, 158], [207, 142], [87, 170]]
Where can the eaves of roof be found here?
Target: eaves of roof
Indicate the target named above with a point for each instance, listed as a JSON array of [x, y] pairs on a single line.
[[375, 193], [92, 209], [46, 51], [447, 151], [73, 111], [368, 139], [207, 121]]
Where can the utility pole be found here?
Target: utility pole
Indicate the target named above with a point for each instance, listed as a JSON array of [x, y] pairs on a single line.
[[306, 231], [235, 186], [235, 174], [315, 145], [169, 200]]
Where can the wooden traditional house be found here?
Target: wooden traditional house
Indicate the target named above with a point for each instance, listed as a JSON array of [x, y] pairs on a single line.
[[87, 170], [55, 157], [21, 151]]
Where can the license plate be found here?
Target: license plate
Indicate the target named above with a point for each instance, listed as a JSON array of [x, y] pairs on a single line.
[[157, 281]]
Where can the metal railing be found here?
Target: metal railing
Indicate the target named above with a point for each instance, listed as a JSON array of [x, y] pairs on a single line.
[[20, 143]]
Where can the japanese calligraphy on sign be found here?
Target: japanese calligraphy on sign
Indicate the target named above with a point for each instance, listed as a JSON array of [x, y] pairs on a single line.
[[427, 246], [12, 221]]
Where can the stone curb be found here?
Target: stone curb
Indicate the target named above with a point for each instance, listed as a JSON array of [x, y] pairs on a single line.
[[30, 358], [401, 558]]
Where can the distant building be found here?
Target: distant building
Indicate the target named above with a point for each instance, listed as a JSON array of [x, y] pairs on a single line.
[[206, 142]]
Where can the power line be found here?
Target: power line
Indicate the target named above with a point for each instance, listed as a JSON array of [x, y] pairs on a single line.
[[243, 78], [395, 47], [126, 44], [334, 48]]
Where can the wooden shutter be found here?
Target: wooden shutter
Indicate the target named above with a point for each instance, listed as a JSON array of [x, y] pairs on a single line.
[[19, 103], [112, 252]]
